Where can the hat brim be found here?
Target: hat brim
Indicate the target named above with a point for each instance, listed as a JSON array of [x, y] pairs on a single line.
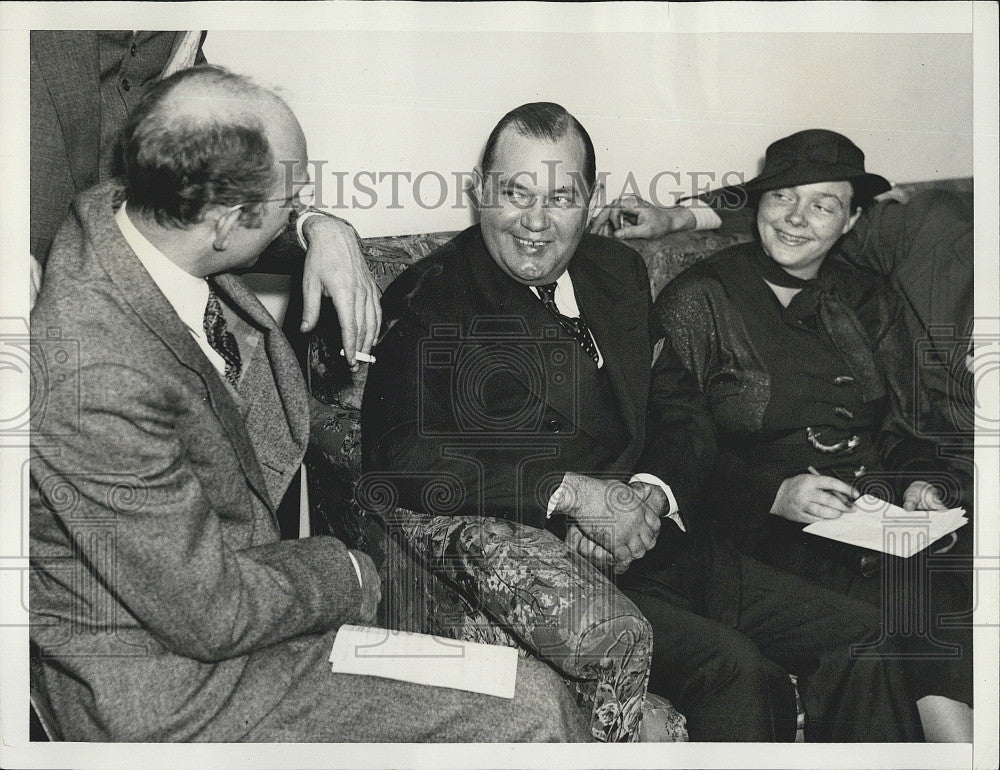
[[865, 185]]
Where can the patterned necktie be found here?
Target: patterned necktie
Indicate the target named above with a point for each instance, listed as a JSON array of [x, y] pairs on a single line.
[[221, 339], [576, 327]]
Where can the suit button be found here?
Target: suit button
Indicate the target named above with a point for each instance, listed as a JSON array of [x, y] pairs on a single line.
[[134, 49], [125, 84], [554, 426]]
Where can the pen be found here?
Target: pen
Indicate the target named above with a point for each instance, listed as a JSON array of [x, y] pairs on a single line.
[[846, 500]]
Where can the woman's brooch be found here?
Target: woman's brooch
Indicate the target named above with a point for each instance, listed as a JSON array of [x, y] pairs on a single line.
[[844, 446]]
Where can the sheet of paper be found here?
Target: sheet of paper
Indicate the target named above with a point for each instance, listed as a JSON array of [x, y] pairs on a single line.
[[425, 659], [881, 526]]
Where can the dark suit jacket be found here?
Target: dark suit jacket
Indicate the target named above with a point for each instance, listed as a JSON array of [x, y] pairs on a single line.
[[925, 249], [162, 599], [475, 404]]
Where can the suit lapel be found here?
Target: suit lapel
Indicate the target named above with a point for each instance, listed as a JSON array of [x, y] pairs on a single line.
[[149, 304], [69, 65], [514, 301], [272, 389], [621, 331]]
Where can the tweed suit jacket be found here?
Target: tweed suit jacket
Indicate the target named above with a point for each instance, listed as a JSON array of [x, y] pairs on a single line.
[[163, 602], [526, 422]]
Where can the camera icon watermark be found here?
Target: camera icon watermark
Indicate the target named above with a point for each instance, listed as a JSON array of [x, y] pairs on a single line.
[[956, 378], [497, 380], [441, 494], [51, 361], [90, 621]]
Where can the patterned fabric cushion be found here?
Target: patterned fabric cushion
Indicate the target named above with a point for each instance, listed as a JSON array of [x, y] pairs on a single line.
[[548, 600], [667, 257], [389, 256], [661, 722]]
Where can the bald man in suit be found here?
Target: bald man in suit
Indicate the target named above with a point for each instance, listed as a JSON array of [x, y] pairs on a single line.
[[83, 84], [165, 607]]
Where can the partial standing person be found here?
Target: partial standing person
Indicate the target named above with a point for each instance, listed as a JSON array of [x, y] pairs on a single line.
[[83, 84]]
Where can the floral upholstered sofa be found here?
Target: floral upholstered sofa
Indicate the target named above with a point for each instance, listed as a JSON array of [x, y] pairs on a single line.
[[490, 580]]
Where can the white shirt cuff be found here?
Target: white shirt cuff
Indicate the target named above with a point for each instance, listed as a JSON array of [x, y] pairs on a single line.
[[300, 222], [704, 217], [357, 569], [554, 500], [673, 512]]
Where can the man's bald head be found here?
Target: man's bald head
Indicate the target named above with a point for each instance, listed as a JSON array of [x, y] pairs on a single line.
[[200, 138]]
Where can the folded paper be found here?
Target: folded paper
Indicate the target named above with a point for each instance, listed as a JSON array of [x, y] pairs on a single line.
[[423, 659], [881, 526]]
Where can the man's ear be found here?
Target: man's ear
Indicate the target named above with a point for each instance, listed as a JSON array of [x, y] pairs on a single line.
[[596, 201], [224, 224], [477, 190]]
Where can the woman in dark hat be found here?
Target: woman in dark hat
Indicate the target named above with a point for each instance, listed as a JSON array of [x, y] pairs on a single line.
[[789, 345]]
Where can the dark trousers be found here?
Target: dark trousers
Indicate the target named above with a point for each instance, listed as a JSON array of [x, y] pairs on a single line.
[[925, 601], [725, 639]]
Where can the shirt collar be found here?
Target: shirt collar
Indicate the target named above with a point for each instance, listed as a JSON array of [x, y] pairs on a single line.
[[565, 297], [186, 293]]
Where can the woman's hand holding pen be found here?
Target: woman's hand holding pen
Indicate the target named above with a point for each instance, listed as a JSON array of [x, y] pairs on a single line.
[[811, 497]]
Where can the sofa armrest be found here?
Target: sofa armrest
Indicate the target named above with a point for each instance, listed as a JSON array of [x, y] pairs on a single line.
[[552, 601]]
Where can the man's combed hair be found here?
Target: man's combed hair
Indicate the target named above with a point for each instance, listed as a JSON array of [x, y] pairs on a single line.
[[175, 164], [543, 120]]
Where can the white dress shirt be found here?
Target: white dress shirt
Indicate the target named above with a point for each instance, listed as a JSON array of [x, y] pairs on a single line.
[[186, 293]]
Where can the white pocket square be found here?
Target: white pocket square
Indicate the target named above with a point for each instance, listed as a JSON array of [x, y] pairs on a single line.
[[657, 347]]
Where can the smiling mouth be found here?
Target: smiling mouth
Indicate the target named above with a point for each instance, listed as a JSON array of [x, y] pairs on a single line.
[[534, 245], [789, 239]]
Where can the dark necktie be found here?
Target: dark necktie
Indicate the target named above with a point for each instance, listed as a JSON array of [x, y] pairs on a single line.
[[576, 327], [221, 339]]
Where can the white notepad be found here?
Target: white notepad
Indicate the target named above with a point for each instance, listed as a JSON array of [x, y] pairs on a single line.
[[882, 526], [425, 659]]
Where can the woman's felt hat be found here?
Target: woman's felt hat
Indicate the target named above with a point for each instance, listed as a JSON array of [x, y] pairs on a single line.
[[816, 155]]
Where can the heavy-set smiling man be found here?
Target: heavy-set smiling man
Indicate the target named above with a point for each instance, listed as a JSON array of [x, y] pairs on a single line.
[[534, 210], [519, 370], [534, 189]]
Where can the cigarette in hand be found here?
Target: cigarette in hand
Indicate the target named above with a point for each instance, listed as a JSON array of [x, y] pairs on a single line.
[[359, 356]]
